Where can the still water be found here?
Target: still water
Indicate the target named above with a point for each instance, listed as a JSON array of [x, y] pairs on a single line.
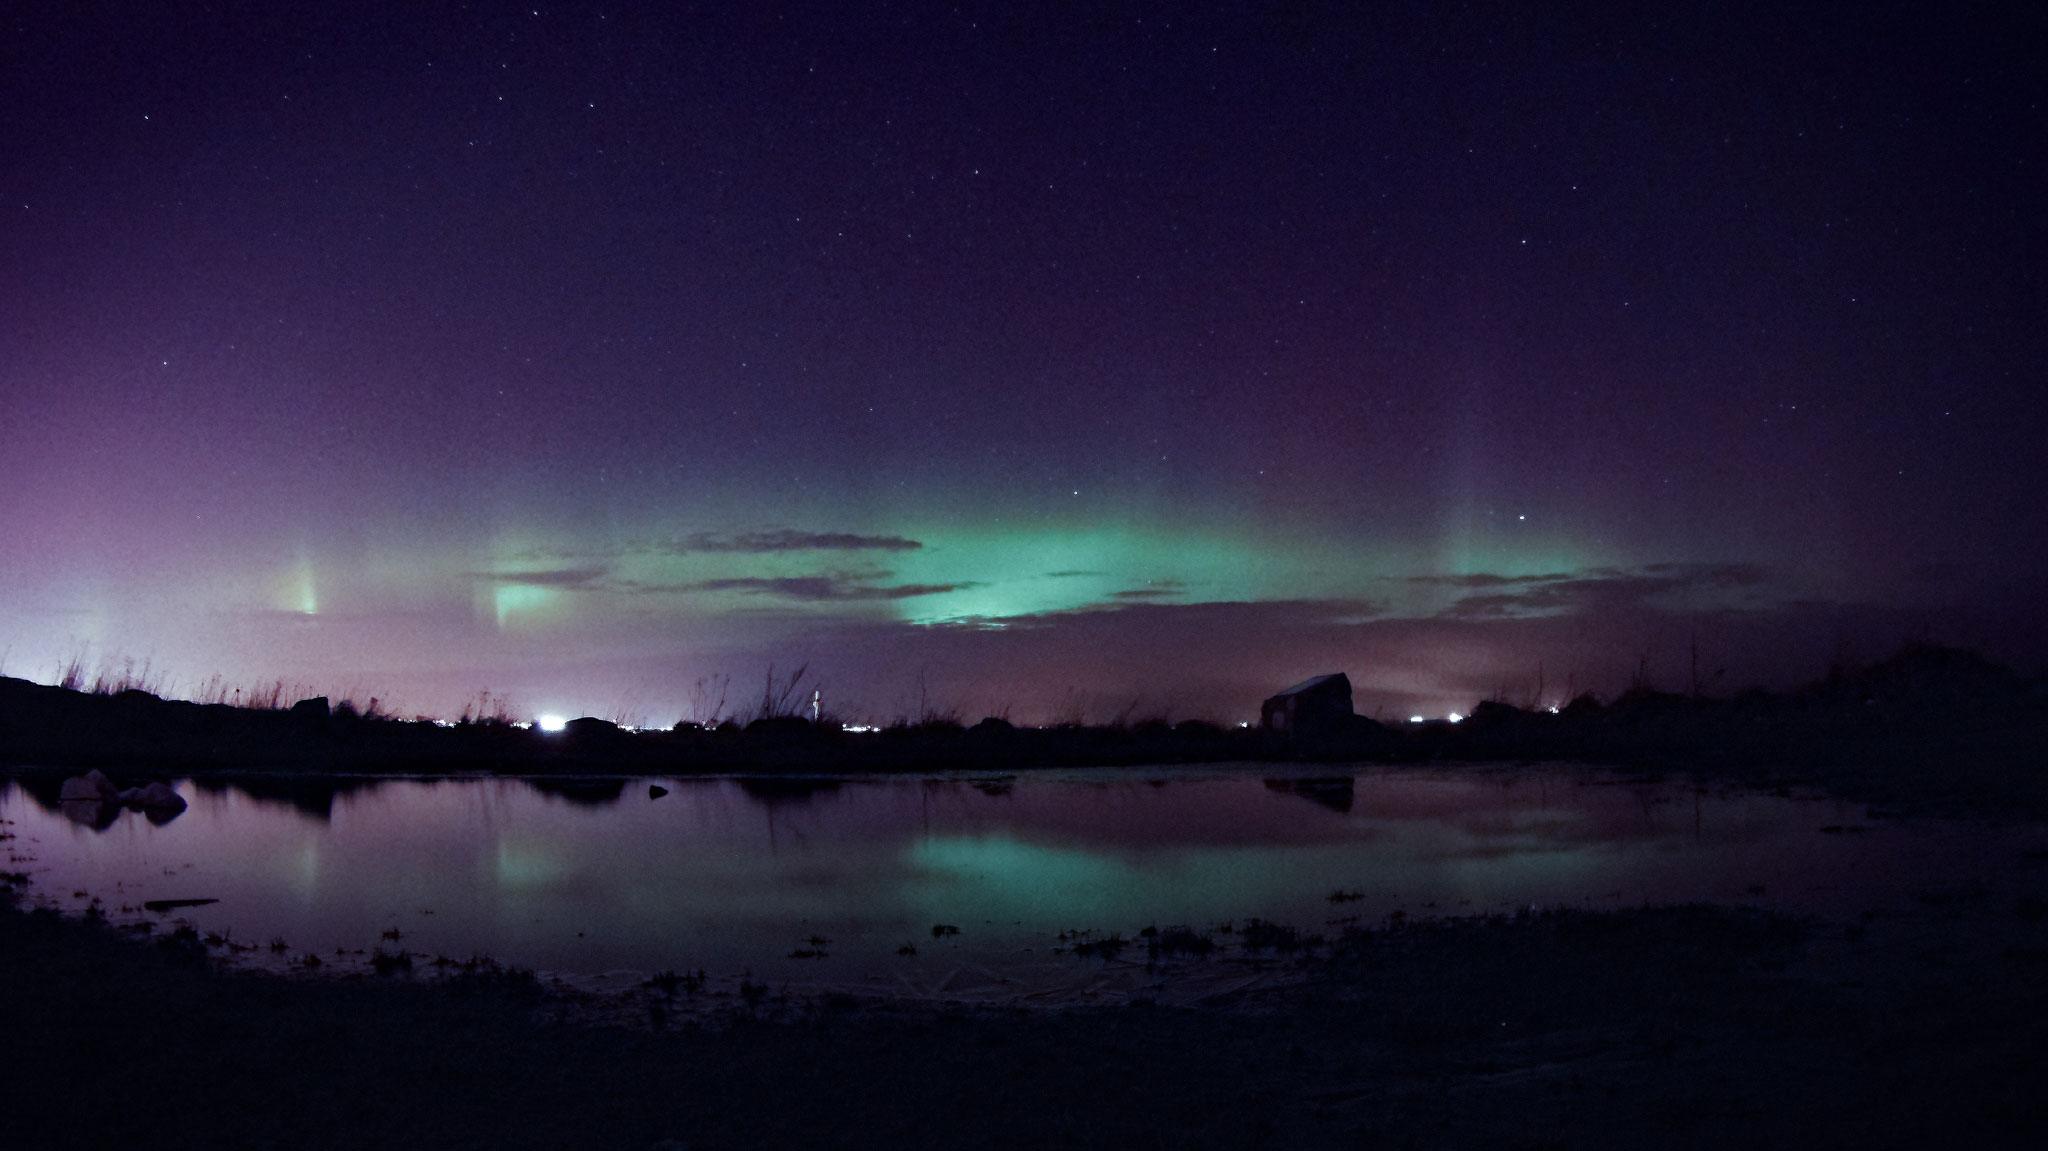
[[604, 883]]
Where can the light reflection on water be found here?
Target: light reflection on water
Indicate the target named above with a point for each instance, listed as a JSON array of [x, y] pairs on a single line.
[[732, 875]]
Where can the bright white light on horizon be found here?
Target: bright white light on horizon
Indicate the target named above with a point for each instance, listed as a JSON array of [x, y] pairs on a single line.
[[551, 723], [857, 728], [1553, 709], [1454, 717], [1417, 719]]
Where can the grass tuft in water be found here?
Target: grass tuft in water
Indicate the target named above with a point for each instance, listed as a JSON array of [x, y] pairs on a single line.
[[1265, 935], [1171, 941], [667, 982], [1107, 947]]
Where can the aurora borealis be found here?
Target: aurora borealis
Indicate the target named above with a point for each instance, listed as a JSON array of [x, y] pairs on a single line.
[[1126, 359]]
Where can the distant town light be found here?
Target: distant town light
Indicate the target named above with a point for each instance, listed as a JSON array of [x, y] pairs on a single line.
[[857, 728], [1454, 717], [1417, 719], [1244, 723], [1553, 709], [551, 723]]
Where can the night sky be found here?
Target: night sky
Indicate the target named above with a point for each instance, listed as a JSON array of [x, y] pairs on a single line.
[[1105, 359]]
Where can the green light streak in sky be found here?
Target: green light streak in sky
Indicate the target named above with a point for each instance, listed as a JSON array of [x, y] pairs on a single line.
[[1021, 572], [308, 593], [993, 570], [514, 602]]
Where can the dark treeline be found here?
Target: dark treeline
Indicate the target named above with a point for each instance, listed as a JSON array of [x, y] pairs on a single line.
[[1929, 723]]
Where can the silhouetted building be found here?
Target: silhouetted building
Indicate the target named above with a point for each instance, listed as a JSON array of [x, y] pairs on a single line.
[[1319, 705]]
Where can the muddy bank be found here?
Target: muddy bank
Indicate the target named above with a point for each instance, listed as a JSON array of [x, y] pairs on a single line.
[[1685, 1026]]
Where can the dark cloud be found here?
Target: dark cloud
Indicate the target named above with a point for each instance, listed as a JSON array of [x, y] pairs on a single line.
[[1712, 575], [781, 540], [770, 541], [1072, 574], [821, 588], [577, 577], [1484, 580], [1284, 615], [1487, 607], [1606, 590], [1157, 589]]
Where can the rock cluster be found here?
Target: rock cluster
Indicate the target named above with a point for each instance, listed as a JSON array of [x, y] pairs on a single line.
[[94, 787]]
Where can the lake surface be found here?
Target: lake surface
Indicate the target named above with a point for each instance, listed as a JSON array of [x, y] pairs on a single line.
[[600, 882]]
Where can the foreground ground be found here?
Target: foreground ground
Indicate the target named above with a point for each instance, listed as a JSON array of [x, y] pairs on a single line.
[[1683, 1026]]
